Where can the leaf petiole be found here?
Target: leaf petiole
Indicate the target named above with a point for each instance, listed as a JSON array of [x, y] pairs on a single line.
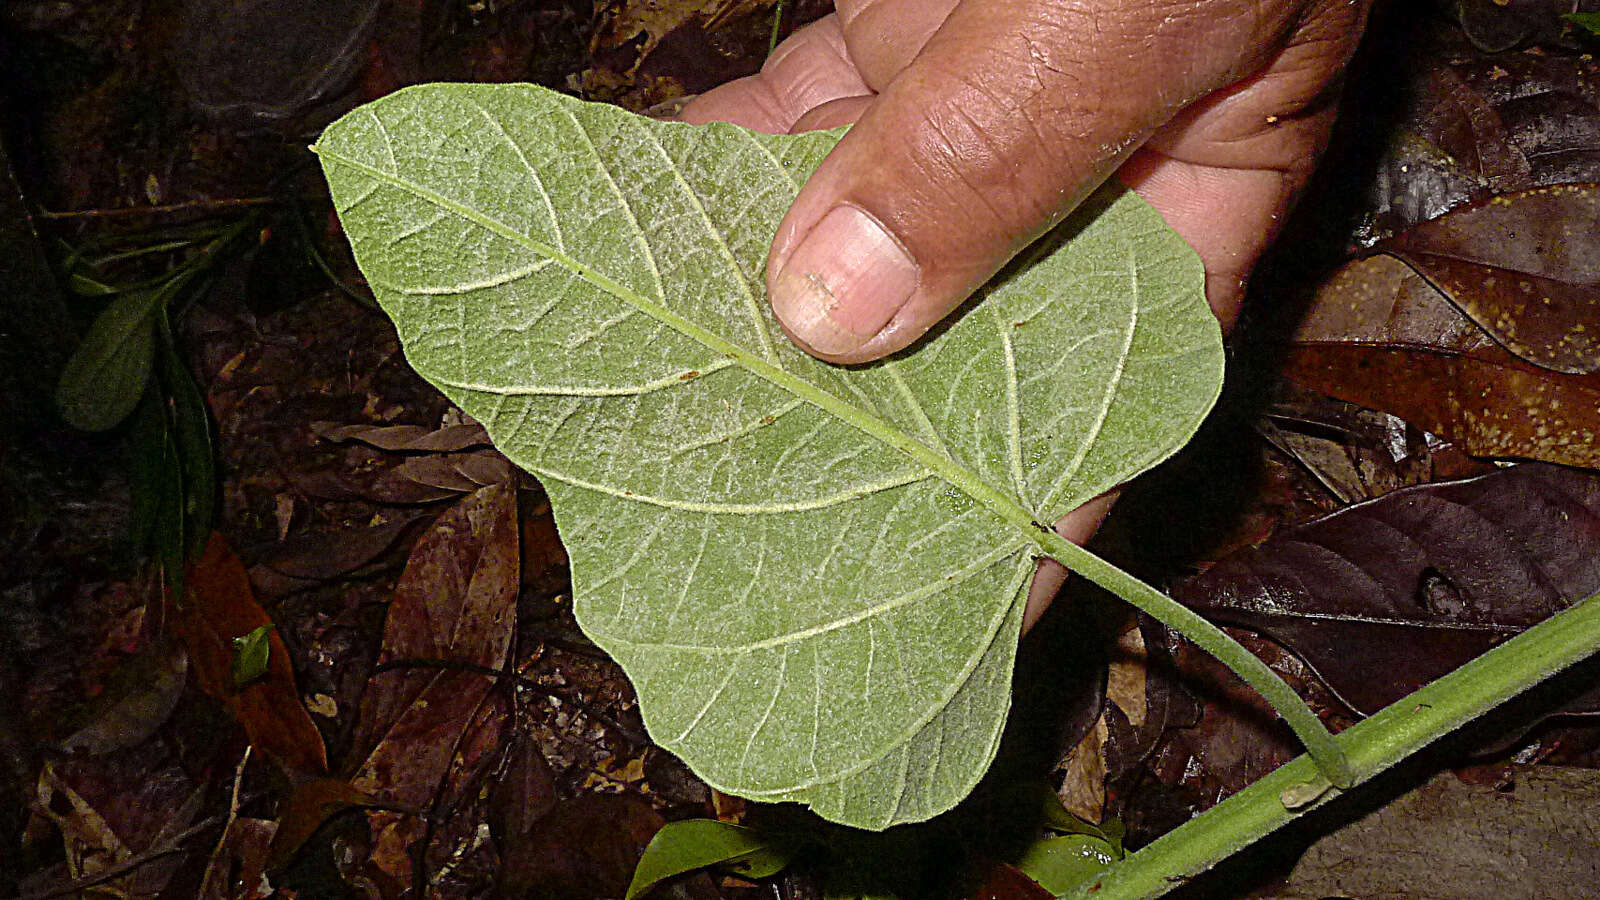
[[1330, 759]]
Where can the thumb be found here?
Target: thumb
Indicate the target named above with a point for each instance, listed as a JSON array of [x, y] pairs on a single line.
[[1009, 116]]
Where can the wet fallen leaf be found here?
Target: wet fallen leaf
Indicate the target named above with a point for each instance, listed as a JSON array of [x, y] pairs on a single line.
[[450, 622], [1525, 267], [523, 794], [442, 476], [1383, 597], [1377, 334], [219, 608], [311, 803], [1490, 402], [1468, 125], [1379, 300]]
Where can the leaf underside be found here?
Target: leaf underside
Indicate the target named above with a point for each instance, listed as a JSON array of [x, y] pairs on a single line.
[[813, 575]]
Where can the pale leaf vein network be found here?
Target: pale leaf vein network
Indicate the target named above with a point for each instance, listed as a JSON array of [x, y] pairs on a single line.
[[866, 614], [752, 306]]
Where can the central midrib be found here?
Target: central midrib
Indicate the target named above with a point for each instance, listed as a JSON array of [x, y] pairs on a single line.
[[946, 468]]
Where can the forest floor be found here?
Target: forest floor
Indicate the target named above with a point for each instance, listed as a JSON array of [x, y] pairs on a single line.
[[1399, 477]]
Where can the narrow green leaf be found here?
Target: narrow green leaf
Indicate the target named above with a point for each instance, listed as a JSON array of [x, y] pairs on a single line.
[[813, 575], [1064, 864], [190, 428], [106, 375], [250, 654], [681, 847], [88, 286]]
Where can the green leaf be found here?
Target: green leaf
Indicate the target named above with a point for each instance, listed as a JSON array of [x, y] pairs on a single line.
[[106, 375], [1589, 21], [681, 847], [190, 427], [250, 654], [813, 575], [1064, 864]]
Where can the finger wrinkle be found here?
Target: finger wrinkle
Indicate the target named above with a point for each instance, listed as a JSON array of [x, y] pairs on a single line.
[[811, 69]]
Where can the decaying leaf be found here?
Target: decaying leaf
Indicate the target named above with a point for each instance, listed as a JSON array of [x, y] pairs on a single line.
[[813, 575], [311, 803], [452, 617], [1490, 402], [1525, 266], [1417, 582], [220, 607], [1379, 335], [586, 847], [237, 869]]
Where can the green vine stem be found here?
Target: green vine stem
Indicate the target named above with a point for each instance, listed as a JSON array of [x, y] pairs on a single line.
[[1372, 746], [1320, 744]]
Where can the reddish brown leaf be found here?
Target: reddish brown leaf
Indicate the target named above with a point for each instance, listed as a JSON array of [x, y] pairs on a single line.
[[1525, 267], [309, 805], [220, 607], [238, 868], [451, 620], [1377, 334], [1489, 401], [437, 477], [544, 559], [1385, 596], [1380, 300]]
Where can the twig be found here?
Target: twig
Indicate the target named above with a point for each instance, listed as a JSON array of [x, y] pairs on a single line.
[[233, 814], [169, 209]]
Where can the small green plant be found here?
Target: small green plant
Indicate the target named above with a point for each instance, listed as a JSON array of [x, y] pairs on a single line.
[[851, 864], [128, 365], [813, 575]]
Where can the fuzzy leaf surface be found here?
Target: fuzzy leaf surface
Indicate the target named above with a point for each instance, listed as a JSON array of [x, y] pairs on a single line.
[[813, 575]]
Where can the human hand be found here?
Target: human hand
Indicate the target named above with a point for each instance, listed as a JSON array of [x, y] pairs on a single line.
[[979, 124]]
